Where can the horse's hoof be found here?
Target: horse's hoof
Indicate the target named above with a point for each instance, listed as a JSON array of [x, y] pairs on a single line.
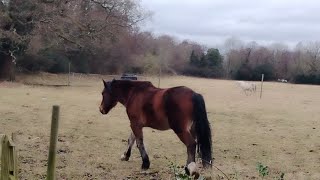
[[187, 170], [192, 170], [145, 165], [124, 158]]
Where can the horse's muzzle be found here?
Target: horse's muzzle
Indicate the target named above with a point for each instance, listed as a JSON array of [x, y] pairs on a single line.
[[102, 110]]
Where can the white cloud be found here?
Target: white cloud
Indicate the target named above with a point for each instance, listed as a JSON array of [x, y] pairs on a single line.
[[211, 22]]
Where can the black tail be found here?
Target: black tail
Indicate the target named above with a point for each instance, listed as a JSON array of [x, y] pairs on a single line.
[[203, 130]]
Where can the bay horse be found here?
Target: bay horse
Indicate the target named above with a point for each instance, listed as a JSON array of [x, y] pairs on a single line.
[[178, 108]]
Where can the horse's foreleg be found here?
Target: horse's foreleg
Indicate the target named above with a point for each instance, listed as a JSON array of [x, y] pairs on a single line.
[[246, 92], [139, 140], [126, 155]]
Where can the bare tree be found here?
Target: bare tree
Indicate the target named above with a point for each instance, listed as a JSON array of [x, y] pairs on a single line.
[[78, 24]]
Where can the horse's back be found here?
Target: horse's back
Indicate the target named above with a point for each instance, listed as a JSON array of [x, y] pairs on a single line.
[[161, 109]]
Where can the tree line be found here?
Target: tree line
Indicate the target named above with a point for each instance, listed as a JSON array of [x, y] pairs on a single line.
[[103, 36], [247, 61]]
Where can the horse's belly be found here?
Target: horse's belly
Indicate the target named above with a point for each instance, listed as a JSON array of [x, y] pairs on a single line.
[[159, 124]]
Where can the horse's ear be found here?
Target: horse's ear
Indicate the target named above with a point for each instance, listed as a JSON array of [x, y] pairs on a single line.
[[104, 83]]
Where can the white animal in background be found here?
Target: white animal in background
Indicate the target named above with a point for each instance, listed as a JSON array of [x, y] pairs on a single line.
[[282, 80], [254, 87], [247, 87]]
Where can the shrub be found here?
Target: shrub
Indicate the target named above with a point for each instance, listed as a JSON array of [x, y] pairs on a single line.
[[246, 72], [213, 72], [307, 79], [59, 62], [33, 63]]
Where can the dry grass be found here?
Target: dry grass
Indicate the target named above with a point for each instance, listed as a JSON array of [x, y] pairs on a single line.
[[280, 130]]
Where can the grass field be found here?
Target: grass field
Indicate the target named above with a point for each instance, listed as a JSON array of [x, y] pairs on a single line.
[[281, 130]]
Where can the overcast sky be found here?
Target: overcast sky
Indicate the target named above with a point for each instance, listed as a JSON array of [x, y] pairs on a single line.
[[210, 22]]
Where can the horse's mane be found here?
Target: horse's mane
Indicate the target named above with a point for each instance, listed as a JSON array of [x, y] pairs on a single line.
[[135, 83], [129, 84]]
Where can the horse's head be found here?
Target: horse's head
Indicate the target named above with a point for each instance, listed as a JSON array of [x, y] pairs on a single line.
[[108, 99]]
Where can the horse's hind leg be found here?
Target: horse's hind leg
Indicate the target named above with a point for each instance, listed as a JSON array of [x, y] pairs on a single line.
[[190, 143], [137, 130], [126, 155]]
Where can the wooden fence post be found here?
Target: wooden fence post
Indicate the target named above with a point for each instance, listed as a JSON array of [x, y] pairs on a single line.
[[9, 168], [160, 71], [53, 143], [262, 77], [4, 157], [69, 74]]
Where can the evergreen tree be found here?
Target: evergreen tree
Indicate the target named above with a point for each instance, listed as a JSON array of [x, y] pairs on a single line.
[[194, 60], [214, 58]]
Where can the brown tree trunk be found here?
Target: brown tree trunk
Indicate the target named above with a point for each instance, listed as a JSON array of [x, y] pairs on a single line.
[[7, 68]]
